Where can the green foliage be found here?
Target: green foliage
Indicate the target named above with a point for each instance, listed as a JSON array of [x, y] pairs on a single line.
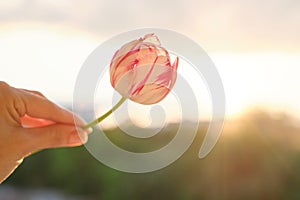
[[257, 157]]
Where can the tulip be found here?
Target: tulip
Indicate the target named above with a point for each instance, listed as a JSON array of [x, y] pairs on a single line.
[[141, 71]]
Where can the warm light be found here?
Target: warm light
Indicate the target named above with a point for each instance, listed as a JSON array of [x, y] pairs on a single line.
[[48, 59], [43, 59]]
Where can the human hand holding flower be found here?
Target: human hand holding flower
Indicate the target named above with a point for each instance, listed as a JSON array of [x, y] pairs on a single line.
[[30, 122], [140, 71]]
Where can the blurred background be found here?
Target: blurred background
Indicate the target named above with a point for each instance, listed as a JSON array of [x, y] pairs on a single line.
[[255, 47]]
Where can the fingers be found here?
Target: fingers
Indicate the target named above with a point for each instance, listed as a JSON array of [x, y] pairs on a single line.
[[30, 122], [56, 135], [34, 92], [39, 107]]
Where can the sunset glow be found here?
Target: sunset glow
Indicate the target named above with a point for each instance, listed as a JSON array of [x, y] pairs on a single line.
[[49, 60]]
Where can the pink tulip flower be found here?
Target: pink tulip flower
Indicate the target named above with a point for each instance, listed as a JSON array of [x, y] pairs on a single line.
[[141, 70]]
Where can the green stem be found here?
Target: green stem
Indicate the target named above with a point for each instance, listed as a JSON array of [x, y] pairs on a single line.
[[98, 120]]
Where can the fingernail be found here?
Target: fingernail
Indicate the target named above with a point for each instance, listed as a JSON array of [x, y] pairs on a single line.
[[78, 137], [89, 130]]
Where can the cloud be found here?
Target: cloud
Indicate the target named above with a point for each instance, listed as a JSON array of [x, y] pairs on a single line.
[[269, 24]]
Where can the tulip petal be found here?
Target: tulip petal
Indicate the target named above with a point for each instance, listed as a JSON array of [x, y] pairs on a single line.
[[151, 94], [126, 64], [151, 39], [146, 57], [166, 75], [175, 64], [123, 60], [174, 72], [141, 70], [143, 82]]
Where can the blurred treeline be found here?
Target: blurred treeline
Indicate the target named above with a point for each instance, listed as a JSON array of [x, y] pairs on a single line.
[[257, 157]]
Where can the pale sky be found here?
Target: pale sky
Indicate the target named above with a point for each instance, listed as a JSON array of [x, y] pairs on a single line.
[[254, 44], [217, 25]]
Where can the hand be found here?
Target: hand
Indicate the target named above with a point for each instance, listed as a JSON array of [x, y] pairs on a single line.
[[30, 122]]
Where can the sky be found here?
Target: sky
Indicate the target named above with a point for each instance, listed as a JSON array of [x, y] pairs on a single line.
[[254, 44]]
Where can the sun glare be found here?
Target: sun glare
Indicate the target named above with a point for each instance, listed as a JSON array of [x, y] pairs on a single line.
[[49, 59], [266, 79]]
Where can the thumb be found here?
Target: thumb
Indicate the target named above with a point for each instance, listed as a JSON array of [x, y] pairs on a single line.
[[56, 135]]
